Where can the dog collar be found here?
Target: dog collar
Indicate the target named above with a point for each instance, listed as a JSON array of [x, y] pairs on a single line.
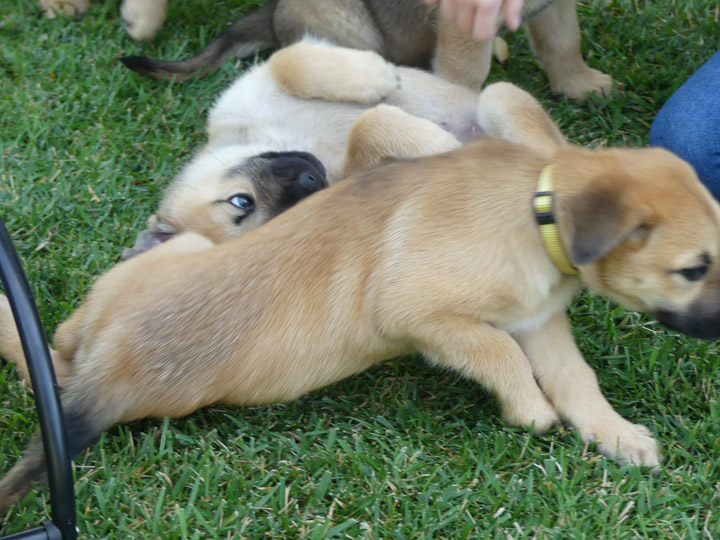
[[543, 206]]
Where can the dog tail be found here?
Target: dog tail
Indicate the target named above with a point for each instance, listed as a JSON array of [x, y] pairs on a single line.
[[84, 423], [248, 35]]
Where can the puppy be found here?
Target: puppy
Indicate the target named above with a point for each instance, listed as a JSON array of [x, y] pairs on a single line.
[[308, 96], [406, 32], [444, 255], [304, 102], [143, 18]]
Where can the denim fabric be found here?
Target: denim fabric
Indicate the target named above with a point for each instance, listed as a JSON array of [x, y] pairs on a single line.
[[689, 123]]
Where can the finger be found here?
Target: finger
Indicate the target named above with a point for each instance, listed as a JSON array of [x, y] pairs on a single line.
[[512, 10], [448, 9], [464, 17], [485, 24]]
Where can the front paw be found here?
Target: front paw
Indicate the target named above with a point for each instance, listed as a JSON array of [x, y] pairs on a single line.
[[628, 443], [539, 416], [586, 81], [74, 8]]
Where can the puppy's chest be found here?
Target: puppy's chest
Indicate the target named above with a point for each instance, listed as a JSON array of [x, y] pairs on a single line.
[[535, 308]]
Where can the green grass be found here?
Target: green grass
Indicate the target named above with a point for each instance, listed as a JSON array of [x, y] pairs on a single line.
[[402, 451]]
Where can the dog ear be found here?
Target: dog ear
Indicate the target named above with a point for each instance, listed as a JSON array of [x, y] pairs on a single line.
[[157, 232], [598, 222]]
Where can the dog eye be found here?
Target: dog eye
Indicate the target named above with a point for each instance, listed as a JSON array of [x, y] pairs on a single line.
[[242, 201], [694, 273]]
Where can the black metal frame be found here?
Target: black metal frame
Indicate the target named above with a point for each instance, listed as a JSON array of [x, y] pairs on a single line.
[[47, 399]]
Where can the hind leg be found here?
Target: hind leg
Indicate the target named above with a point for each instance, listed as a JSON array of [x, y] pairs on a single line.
[[385, 132], [508, 112], [315, 70], [555, 39]]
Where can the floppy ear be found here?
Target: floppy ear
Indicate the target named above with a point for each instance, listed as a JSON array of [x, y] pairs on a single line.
[[598, 221], [157, 232]]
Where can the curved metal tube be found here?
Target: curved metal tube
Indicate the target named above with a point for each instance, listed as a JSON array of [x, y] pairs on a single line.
[[47, 398]]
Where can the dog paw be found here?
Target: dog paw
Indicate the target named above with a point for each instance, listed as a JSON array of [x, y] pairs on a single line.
[[588, 81], [143, 18], [539, 416], [629, 443], [74, 8], [373, 78]]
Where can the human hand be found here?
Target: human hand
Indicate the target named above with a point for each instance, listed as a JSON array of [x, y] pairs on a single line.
[[481, 16]]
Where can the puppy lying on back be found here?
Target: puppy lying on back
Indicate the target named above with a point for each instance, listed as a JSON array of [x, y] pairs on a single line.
[[308, 96], [266, 130], [443, 255]]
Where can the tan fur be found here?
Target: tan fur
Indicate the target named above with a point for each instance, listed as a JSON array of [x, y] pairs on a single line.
[[459, 57], [11, 347], [343, 76], [439, 255], [406, 257]]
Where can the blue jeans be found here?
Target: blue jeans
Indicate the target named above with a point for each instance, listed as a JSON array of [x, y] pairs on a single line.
[[689, 123]]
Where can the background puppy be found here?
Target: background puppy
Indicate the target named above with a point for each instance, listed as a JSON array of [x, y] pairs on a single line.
[[441, 255], [406, 32]]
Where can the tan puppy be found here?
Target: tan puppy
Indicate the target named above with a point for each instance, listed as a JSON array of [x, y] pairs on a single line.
[[406, 32], [441, 255]]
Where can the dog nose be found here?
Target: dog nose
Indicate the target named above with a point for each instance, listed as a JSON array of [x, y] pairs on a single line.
[[308, 181], [698, 325]]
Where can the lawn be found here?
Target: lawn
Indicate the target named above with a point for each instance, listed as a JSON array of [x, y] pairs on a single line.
[[403, 451]]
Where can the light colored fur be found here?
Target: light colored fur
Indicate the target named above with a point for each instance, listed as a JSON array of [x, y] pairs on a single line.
[[439, 255]]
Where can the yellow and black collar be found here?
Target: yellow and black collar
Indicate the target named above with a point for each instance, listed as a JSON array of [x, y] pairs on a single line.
[[543, 206]]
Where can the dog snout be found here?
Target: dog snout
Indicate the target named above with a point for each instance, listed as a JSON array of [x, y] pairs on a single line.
[[700, 321], [310, 182], [289, 167]]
